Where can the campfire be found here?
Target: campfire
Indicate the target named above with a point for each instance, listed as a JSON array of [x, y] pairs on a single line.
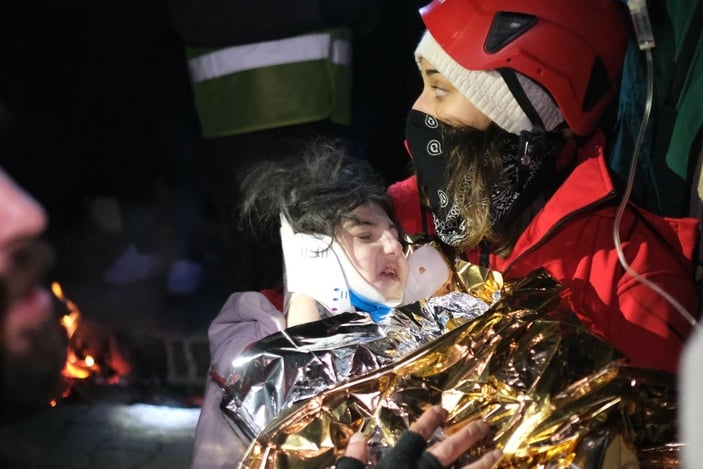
[[128, 366], [93, 354]]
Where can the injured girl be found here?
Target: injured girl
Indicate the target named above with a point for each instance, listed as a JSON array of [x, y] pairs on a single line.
[[341, 245], [342, 254]]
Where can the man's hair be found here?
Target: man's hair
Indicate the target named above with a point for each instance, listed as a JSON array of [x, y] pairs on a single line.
[[313, 190]]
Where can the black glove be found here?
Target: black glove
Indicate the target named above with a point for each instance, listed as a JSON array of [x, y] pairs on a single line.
[[408, 453]]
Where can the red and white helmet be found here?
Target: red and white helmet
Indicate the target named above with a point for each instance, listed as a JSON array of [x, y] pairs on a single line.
[[573, 48]]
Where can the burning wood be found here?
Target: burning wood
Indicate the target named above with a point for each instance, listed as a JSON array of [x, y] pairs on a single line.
[[92, 349], [160, 369]]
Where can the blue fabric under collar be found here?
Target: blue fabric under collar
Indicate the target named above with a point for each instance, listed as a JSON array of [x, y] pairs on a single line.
[[377, 311]]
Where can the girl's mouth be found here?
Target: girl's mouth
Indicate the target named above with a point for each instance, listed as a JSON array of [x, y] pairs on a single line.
[[391, 271]]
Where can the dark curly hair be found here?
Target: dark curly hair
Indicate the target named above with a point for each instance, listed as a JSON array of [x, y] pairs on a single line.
[[314, 190]]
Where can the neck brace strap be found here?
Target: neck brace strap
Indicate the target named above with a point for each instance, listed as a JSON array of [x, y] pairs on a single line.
[[358, 284]]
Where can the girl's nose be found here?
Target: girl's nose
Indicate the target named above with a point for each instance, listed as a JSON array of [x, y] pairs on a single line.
[[391, 245]]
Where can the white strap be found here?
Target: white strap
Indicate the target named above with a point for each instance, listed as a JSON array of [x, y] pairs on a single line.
[[312, 268], [266, 54]]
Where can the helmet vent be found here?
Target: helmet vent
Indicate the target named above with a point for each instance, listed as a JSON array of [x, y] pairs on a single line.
[[506, 27], [598, 85]]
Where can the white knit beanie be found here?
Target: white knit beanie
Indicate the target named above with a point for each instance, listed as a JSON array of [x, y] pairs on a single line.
[[488, 92]]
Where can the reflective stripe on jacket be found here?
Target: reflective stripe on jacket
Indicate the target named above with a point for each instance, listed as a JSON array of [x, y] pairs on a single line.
[[272, 84]]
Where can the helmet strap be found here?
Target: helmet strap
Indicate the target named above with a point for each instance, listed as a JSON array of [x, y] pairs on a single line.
[[520, 96], [533, 141]]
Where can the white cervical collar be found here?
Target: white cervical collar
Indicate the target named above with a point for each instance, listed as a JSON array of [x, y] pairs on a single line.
[[317, 266]]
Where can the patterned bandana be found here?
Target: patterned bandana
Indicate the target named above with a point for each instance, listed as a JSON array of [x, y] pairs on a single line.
[[523, 177]]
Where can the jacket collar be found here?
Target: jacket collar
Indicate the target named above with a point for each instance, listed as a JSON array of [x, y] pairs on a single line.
[[588, 184]]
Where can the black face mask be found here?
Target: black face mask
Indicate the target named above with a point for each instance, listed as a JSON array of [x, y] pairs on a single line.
[[521, 180]]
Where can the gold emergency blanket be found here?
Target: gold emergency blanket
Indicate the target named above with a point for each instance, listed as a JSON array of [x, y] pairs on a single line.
[[300, 362], [554, 396]]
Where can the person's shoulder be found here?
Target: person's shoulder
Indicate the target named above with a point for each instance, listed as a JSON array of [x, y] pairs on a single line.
[[247, 306], [404, 188], [592, 148], [405, 197]]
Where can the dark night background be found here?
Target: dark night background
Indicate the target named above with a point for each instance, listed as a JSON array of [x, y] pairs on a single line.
[[95, 103]]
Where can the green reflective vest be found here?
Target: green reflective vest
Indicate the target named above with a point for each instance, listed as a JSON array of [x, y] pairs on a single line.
[[271, 84]]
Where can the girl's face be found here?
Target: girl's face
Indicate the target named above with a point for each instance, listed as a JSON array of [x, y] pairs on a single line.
[[441, 100], [370, 239]]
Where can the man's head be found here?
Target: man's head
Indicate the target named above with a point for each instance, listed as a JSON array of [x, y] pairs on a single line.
[[32, 342]]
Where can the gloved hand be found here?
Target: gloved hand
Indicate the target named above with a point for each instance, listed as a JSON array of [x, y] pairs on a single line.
[[410, 451]]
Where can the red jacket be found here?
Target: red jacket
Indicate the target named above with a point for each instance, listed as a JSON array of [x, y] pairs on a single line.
[[572, 238]]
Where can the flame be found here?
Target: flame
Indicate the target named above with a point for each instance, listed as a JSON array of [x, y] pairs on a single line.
[[75, 367], [79, 367]]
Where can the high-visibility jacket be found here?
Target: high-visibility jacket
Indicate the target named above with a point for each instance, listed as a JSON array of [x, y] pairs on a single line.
[[272, 84]]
